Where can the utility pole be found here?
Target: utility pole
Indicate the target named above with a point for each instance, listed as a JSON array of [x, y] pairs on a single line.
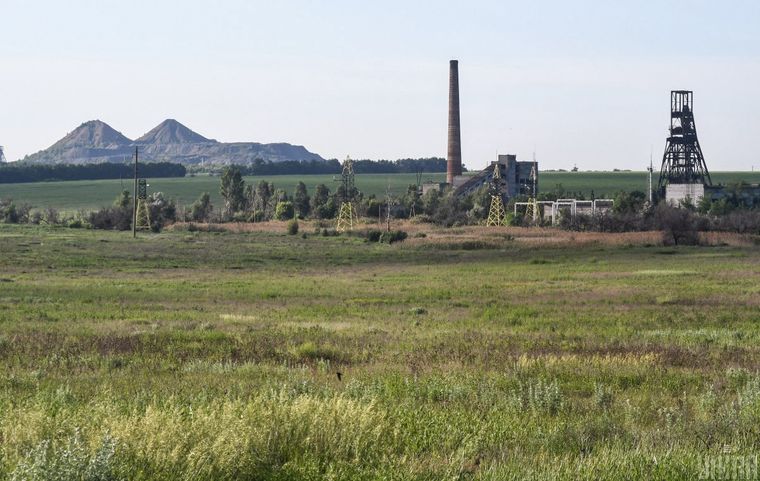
[[388, 207], [650, 169], [134, 202]]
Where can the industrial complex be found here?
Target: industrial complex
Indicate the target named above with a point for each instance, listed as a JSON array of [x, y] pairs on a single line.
[[516, 177], [684, 176]]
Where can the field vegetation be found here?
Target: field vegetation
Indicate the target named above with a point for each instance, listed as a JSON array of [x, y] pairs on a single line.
[[242, 352], [75, 195]]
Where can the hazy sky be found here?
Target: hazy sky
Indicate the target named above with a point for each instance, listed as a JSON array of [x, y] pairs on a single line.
[[581, 82]]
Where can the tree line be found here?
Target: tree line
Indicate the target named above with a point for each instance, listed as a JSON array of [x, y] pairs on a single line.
[[334, 166], [13, 174], [18, 173]]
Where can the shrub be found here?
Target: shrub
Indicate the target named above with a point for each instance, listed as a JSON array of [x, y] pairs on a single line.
[[374, 235], [293, 227], [10, 213], [679, 226], [603, 396], [111, 218], [51, 216], [393, 236], [284, 210], [202, 208], [309, 351], [73, 462], [539, 397], [385, 237]]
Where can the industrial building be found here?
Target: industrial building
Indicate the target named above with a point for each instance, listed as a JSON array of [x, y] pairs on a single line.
[[517, 177]]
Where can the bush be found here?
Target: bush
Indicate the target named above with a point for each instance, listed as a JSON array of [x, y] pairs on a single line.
[[284, 210], [679, 226], [202, 208], [293, 227], [11, 213], [385, 237], [393, 236], [74, 462], [374, 235], [111, 218]]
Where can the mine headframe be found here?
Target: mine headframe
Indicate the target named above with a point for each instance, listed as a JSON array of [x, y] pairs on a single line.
[[683, 161]]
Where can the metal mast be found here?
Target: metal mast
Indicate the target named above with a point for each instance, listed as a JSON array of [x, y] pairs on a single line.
[[347, 215], [2, 155], [496, 213], [532, 208], [683, 162]]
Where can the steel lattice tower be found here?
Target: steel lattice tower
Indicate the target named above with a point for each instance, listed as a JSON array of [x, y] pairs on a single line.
[[142, 217], [2, 155], [683, 162], [347, 215], [496, 214], [532, 210]]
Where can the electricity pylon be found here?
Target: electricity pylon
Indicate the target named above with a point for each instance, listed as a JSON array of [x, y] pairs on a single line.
[[532, 209], [142, 216], [347, 215], [496, 214]]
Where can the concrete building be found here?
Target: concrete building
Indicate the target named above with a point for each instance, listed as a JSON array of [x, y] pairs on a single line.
[[518, 178], [675, 194]]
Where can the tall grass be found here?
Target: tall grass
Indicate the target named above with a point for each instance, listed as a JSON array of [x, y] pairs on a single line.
[[257, 355]]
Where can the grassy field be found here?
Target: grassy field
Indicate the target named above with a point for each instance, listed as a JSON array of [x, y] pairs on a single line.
[[94, 194], [97, 193], [470, 353]]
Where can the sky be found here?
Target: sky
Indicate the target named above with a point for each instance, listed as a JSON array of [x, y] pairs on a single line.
[[581, 83]]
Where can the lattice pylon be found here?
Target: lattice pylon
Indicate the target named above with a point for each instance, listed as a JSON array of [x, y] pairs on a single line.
[[142, 220], [346, 217], [532, 211], [496, 214]]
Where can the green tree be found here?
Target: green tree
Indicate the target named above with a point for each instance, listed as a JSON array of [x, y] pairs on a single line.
[[481, 204], [412, 200], [280, 196], [123, 200], [250, 197], [232, 190], [202, 208], [320, 202], [301, 200], [284, 210], [430, 201], [629, 202], [263, 200]]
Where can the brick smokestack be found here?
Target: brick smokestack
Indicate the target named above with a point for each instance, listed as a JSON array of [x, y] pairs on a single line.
[[454, 157]]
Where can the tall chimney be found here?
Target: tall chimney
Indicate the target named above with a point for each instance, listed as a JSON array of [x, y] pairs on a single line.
[[454, 157]]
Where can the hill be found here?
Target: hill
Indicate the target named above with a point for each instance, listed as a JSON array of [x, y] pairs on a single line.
[[92, 142], [172, 132], [170, 141]]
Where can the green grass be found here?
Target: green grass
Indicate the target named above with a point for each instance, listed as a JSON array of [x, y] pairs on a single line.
[[94, 194], [215, 356]]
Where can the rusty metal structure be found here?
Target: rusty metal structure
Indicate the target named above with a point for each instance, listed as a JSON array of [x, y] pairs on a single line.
[[683, 161], [454, 155]]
